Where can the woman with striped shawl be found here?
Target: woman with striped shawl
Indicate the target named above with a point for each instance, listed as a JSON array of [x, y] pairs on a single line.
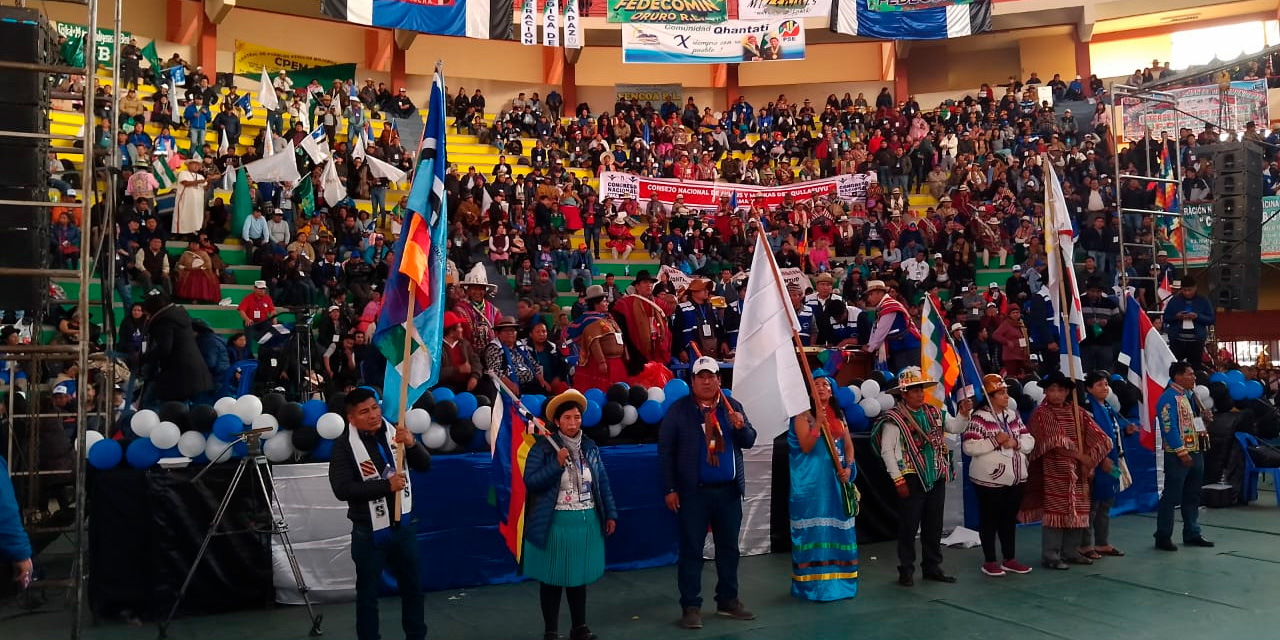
[[1068, 450]]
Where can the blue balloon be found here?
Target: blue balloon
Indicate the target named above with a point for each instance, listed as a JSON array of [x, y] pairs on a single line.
[[311, 412], [1235, 375], [1238, 391], [323, 451], [856, 417], [1218, 377], [466, 403], [595, 395], [142, 454], [651, 411], [1253, 389], [534, 403], [106, 454], [844, 397], [676, 388], [226, 427], [441, 394], [728, 393], [591, 417], [239, 449]]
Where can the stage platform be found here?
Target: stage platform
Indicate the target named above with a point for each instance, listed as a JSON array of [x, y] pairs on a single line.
[[1227, 591]]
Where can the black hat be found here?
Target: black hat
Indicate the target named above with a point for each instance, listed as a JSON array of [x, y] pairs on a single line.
[[1056, 378], [643, 276]]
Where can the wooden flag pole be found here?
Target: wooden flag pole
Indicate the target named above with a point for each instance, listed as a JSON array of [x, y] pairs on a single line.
[[404, 394]]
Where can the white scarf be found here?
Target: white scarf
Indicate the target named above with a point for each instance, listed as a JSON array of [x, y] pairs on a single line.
[[379, 514]]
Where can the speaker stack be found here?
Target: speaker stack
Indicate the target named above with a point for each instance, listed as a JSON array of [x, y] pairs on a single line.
[[25, 36], [1235, 253]]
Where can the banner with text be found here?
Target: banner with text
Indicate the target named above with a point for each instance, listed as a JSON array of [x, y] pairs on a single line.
[[680, 280], [776, 9], [706, 196], [103, 51], [251, 59], [655, 93], [572, 25], [528, 23], [1194, 231], [551, 23], [729, 42], [668, 11], [1245, 101]]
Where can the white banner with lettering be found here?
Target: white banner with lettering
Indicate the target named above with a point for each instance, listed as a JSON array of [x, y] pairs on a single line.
[[705, 196], [771, 9], [528, 23], [572, 27], [551, 23]]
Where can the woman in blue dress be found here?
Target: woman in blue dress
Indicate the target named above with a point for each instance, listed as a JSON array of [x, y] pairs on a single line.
[[824, 544]]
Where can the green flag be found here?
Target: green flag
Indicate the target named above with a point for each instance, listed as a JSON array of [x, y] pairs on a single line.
[[307, 194], [241, 202], [73, 52], [151, 56]]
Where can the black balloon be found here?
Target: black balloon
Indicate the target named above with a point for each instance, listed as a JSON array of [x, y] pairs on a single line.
[[337, 403], [290, 416], [446, 413], [427, 403], [483, 401], [200, 418], [599, 434], [637, 396], [617, 393], [610, 413], [462, 431], [175, 412], [306, 440], [272, 403], [1015, 387]]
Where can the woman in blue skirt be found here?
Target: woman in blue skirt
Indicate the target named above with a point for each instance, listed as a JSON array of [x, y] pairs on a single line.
[[824, 544], [569, 512]]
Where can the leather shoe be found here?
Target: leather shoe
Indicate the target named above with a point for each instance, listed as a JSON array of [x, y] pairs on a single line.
[[905, 578], [1197, 542], [1165, 544], [939, 576], [692, 618]]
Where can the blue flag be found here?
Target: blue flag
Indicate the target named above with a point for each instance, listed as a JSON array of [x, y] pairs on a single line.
[[179, 75], [245, 104]]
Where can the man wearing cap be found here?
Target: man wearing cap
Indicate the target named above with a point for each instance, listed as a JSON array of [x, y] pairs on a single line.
[[581, 266], [256, 310], [1187, 318], [646, 322], [911, 439], [1069, 447], [460, 366], [826, 308], [895, 335], [700, 443], [695, 322], [1017, 287], [602, 353]]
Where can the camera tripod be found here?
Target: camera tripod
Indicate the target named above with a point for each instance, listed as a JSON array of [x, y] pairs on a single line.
[[280, 527]]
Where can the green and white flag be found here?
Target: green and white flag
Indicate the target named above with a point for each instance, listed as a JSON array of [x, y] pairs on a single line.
[[164, 174]]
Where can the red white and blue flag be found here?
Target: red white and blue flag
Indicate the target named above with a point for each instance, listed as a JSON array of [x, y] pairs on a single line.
[[1146, 354]]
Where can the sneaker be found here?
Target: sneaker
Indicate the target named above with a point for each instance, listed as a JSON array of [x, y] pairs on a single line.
[[992, 569], [692, 618], [1013, 566], [736, 611]]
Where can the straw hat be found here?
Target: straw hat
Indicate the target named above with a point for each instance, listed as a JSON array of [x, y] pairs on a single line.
[[876, 285], [910, 378], [506, 322], [572, 396]]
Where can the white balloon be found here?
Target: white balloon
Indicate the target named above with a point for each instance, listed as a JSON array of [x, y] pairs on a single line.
[[435, 436], [870, 407], [1034, 391], [265, 421], [870, 388], [216, 450], [248, 408], [165, 435], [91, 438], [330, 426], [224, 405], [629, 415], [1013, 404], [191, 444], [1202, 393], [1113, 400], [417, 420], [1208, 404], [482, 418], [279, 448], [143, 422], [886, 401], [657, 394], [615, 429], [857, 393]]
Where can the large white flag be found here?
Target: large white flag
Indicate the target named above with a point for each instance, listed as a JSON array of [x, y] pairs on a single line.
[[280, 167], [267, 93], [1060, 248], [316, 145], [551, 23], [381, 169], [767, 379], [334, 192]]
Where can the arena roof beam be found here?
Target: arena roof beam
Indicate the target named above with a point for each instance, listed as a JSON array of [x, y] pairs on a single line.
[[217, 10]]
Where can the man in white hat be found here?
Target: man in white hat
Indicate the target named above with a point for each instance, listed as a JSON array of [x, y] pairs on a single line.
[[895, 334], [476, 310], [911, 439], [256, 310]]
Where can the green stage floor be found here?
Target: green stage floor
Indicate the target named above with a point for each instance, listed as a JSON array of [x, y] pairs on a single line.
[[1226, 592]]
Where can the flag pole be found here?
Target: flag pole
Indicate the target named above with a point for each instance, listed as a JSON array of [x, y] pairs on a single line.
[[1064, 313], [820, 420], [404, 390]]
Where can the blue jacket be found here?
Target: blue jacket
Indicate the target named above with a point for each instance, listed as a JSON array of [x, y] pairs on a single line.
[[1113, 424], [682, 443], [14, 545], [542, 481], [1203, 320]]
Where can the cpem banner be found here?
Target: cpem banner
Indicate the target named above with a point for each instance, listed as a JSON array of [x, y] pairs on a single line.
[[529, 23], [1193, 233], [551, 23], [777, 9], [706, 196], [572, 25], [251, 59], [655, 93], [729, 42], [667, 11], [1243, 102]]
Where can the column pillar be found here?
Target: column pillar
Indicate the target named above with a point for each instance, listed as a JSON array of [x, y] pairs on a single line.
[[1084, 66], [207, 51], [569, 88], [398, 76], [182, 21], [732, 87]]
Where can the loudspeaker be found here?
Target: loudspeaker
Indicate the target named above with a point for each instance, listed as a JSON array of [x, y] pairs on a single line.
[[1234, 286], [23, 163], [25, 248], [1236, 157]]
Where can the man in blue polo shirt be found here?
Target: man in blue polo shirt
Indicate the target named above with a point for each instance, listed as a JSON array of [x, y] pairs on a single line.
[[700, 447]]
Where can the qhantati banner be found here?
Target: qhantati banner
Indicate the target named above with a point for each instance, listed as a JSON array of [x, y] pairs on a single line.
[[667, 11], [729, 42], [551, 23], [1192, 233], [655, 93], [572, 25], [705, 196], [103, 51], [775, 9], [1244, 101], [528, 23], [251, 59]]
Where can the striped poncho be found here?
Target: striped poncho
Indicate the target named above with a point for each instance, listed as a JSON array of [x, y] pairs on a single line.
[[1057, 491]]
